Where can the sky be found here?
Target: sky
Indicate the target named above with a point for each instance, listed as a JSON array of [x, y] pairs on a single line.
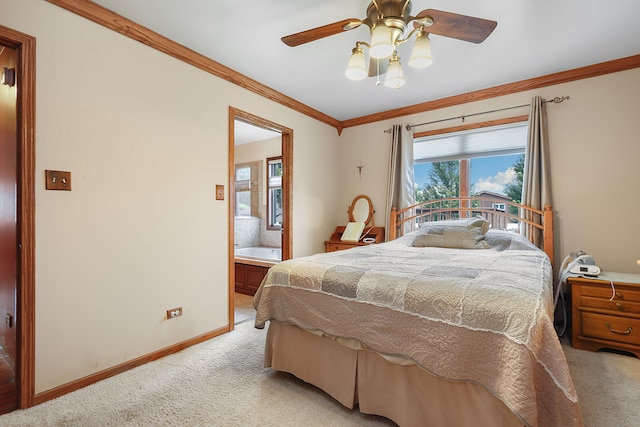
[[487, 173]]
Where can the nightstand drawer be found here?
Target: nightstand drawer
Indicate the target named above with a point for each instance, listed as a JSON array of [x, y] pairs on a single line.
[[621, 306], [332, 247], [611, 328], [606, 291]]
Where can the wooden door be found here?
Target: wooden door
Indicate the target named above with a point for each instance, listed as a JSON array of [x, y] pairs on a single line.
[[8, 205], [17, 208], [8, 228]]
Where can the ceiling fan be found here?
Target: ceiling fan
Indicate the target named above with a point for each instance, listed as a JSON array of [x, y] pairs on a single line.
[[389, 22]]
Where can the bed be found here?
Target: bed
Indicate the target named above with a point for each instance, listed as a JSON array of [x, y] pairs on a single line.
[[450, 324]]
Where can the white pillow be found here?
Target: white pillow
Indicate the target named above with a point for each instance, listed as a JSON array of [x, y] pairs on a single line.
[[502, 240], [464, 233]]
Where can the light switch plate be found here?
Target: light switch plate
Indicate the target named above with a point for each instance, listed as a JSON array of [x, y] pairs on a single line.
[[57, 180], [219, 192]]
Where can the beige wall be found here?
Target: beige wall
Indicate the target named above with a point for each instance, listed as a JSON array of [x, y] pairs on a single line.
[[146, 139], [258, 151], [595, 162]]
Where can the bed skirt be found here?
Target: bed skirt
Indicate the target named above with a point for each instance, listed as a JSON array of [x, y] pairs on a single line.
[[406, 394]]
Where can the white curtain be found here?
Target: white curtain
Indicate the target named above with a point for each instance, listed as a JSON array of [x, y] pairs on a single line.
[[400, 193], [536, 186]]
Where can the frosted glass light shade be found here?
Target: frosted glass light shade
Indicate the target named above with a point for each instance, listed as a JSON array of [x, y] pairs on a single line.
[[421, 53], [395, 76], [357, 68], [381, 46]]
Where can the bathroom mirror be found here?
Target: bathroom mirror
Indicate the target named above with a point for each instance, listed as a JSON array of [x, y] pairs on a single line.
[[361, 210]]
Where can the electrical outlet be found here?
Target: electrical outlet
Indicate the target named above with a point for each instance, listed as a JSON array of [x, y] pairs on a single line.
[[174, 312], [9, 320]]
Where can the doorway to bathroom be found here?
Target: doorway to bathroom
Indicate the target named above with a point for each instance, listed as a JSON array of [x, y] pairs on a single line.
[[260, 177]]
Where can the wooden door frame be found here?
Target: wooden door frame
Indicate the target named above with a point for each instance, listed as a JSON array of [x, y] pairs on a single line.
[[25, 309], [287, 191]]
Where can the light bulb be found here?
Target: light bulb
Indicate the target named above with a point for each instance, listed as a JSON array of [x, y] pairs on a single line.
[[381, 45], [395, 76], [357, 68], [421, 53]]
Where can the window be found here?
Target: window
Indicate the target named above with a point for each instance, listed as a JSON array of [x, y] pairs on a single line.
[[274, 193], [247, 184], [243, 191], [487, 160]]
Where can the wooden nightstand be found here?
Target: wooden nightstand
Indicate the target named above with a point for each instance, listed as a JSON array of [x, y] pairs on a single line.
[[602, 322], [335, 244]]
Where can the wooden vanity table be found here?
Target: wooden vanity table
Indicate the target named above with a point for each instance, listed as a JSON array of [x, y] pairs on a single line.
[[361, 210], [335, 244]]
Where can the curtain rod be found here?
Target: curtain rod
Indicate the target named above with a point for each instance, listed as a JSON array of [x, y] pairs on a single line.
[[556, 100]]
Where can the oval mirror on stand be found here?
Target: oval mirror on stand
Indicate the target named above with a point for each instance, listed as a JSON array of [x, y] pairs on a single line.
[[361, 210]]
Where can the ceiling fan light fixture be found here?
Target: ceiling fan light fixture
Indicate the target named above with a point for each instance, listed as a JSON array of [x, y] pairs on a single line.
[[381, 43], [357, 68], [421, 53], [388, 22], [395, 76]]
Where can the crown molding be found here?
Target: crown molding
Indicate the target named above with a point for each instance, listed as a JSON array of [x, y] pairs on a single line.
[[124, 26], [109, 19], [506, 89]]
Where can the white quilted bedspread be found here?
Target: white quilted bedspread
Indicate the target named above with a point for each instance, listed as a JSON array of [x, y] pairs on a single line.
[[478, 315]]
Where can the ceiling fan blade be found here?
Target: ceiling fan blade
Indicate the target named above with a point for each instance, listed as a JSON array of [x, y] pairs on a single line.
[[461, 27], [378, 67], [320, 32]]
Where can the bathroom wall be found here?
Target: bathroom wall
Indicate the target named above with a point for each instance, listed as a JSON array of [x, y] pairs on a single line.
[[247, 231]]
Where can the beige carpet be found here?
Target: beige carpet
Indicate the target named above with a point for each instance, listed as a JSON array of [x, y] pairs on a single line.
[[222, 383], [608, 387]]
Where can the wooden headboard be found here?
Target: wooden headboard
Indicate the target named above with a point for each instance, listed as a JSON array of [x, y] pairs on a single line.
[[501, 214]]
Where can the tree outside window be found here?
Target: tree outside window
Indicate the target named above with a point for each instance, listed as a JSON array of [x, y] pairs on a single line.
[[465, 163], [443, 178], [514, 189]]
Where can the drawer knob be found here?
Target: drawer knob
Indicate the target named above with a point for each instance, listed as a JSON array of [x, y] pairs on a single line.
[[627, 332], [619, 295], [619, 306]]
